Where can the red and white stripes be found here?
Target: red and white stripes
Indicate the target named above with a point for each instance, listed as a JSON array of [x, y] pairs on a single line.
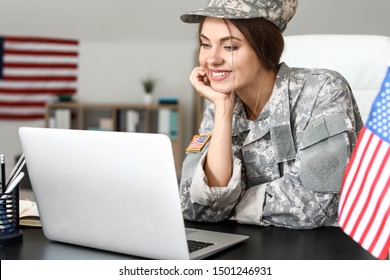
[[365, 197], [33, 70]]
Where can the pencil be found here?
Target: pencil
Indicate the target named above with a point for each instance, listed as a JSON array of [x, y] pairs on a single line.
[[2, 159]]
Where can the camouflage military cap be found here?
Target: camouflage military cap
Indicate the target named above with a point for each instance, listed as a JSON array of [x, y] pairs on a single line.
[[279, 12]]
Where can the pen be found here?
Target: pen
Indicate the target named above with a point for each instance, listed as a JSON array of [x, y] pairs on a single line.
[[12, 186], [18, 166], [2, 162]]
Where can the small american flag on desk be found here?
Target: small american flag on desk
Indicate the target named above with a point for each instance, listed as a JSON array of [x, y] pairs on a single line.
[[364, 209], [32, 71]]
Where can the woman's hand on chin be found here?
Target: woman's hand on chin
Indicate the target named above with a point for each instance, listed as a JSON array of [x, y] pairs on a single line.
[[201, 83]]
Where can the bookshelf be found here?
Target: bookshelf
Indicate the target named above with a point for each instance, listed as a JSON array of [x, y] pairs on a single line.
[[130, 117]]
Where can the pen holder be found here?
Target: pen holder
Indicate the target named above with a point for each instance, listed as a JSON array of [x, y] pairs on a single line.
[[10, 232]]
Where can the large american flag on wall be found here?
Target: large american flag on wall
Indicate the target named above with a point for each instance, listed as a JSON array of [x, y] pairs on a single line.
[[33, 71]]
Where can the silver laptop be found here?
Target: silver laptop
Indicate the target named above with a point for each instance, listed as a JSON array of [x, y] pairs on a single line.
[[114, 191]]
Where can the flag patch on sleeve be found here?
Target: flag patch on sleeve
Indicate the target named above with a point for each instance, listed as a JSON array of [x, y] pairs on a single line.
[[198, 142]]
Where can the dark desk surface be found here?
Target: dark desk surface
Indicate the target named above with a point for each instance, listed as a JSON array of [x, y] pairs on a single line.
[[272, 243]]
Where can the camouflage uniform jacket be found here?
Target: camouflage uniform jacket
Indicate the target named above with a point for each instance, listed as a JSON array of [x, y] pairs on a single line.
[[288, 164]]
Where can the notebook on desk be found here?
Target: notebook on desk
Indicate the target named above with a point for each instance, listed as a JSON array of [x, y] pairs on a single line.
[[114, 191]]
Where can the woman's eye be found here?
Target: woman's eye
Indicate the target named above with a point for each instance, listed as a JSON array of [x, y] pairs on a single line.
[[204, 45], [230, 48]]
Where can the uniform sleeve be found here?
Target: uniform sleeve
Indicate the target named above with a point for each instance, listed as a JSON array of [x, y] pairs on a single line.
[[307, 194], [199, 201]]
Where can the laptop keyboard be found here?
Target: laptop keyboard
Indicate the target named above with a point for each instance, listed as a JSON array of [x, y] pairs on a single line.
[[194, 245]]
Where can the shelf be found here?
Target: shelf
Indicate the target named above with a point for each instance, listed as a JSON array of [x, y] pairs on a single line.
[[130, 117]]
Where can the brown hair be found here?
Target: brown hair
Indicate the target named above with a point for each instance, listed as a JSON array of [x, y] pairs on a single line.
[[264, 37]]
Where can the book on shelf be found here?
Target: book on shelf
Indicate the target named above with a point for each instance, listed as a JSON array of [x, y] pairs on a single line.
[[28, 213]]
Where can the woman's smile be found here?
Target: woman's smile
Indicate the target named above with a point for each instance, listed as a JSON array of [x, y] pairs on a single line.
[[218, 75]]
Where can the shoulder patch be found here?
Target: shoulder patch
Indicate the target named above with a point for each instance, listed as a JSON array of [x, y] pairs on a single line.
[[198, 142]]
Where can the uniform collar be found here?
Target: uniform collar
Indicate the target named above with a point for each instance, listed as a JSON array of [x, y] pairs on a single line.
[[240, 121]]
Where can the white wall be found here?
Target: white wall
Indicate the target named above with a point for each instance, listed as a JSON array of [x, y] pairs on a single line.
[[112, 72], [341, 17], [110, 69]]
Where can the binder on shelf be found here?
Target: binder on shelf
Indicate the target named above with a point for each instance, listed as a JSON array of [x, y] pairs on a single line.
[[62, 118], [132, 120], [174, 125], [168, 123], [164, 121]]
